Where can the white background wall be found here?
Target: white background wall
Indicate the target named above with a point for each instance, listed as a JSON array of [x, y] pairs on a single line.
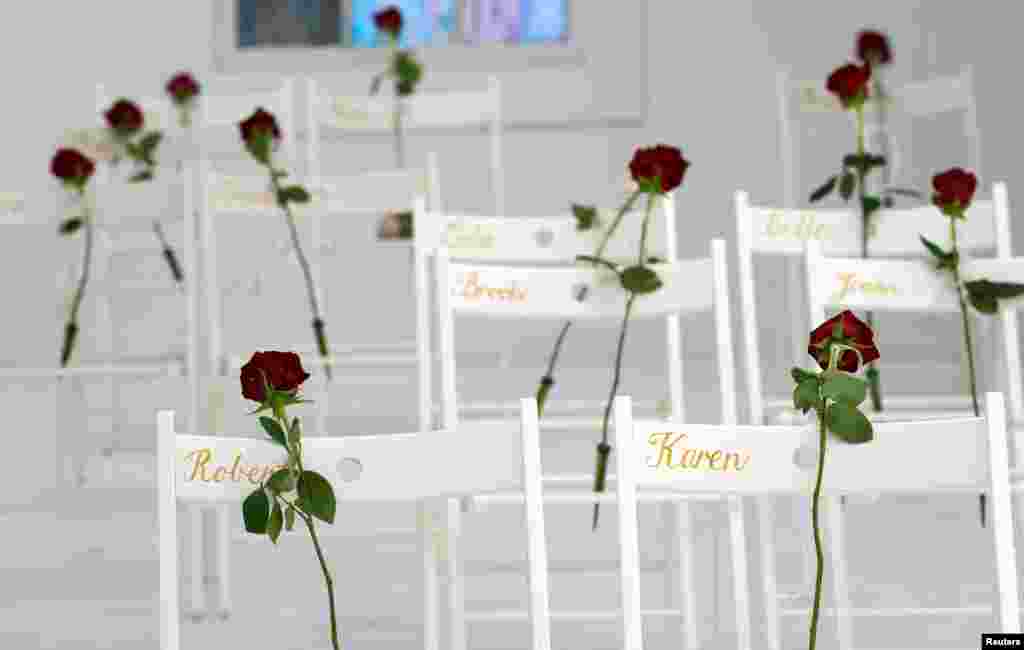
[[711, 80]]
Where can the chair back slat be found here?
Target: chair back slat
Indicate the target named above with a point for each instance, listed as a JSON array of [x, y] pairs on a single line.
[[423, 110]]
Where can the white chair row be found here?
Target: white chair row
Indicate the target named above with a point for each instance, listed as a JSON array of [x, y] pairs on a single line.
[[428, 466]]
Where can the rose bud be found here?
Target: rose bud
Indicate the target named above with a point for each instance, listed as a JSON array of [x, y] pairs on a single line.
[[124, 117], [661, 162], [260, 133], [873, 48], [389, 21], [954, 189], [282, 370], [855, 333], [70, 166], [182, 87], [849, 83]]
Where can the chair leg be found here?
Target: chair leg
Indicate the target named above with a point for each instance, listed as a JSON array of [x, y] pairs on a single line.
[[197, 595], [741, 588], [769, 574], [456, 604], [428, 553], [682, 592], [840, 574], [223, 545]]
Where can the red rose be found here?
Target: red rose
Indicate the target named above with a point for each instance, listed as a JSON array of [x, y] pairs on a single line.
[[954, 189], [259, 121], [855, 333], [124, 116], [849, 83], [71, 166], [283, 371], [389, 20], [662, 162], [873, 48], [182, 87]]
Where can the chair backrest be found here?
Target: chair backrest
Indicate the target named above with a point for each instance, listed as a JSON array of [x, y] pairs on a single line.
[[402, 467], [920, 99], [915, 286], [241, 222], [781, 232], [374, 115], [549, 293], [763, 460]]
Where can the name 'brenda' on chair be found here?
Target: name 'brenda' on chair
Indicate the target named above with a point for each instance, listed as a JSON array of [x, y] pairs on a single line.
[[693, 457], [472, 289]]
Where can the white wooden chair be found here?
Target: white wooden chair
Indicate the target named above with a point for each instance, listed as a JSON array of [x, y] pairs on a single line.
[[406, 467], [806, 109], [973, 457], [427, 111], [779, 232], [534, 289], [898, 285]]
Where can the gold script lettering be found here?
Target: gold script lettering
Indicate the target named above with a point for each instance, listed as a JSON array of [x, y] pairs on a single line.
[[806, 228], [692, 457], [473, 290], [849, 282], [237, 471]]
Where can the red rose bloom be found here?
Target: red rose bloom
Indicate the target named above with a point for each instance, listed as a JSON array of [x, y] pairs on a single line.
[[954, 188], [849, 83], [856, 334], [873, 48], [283, 371], [662, 162], [259, 121], [182, 87], [389, 20], [70, 165], [124, 116]]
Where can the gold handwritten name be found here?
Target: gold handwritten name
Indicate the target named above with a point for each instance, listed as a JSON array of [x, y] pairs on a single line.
[[849, 282], [473, 290], [204, 470], [807, 228], [693, 458], [470, 236]]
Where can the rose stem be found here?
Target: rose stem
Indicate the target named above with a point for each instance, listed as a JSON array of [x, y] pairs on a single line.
[[318, 323], [817, 532], [872, 373], [172, 260], [71, 330]]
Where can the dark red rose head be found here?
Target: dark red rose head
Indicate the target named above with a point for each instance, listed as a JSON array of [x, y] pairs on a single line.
[[851, 331], [71, 166], [260, 134], [124, 117], [389, 21], [850, 84], [182, 87], [954, 189], [283, 371], [661, 162], [873, 48]]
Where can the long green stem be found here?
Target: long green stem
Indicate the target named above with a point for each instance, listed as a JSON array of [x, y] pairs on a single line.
[[399, 145], [865, 230], [318, 323], [968, 344], [815, 610], [582, 293], [71, 329]]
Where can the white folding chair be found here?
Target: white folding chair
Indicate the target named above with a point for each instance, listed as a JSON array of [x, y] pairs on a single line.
[[414, 467], [807, 114], [893, 286], [779, 232], [536, 290], [427, 111], [973, 457]]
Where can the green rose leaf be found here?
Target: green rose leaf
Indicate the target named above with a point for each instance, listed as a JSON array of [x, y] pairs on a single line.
[[276, 523], [70, 226], [256, 512], [294, 432], [805, 395], [586, 216], [149, 142], [824, 190], [870, 205], [316, 496], [933, 248], [842, 387], [274, 430], [289, 519], [985, 295], [847, 184], [542, 393], [292, 194], [640, 280], [283, 480], [849, 424], [800, 375]]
